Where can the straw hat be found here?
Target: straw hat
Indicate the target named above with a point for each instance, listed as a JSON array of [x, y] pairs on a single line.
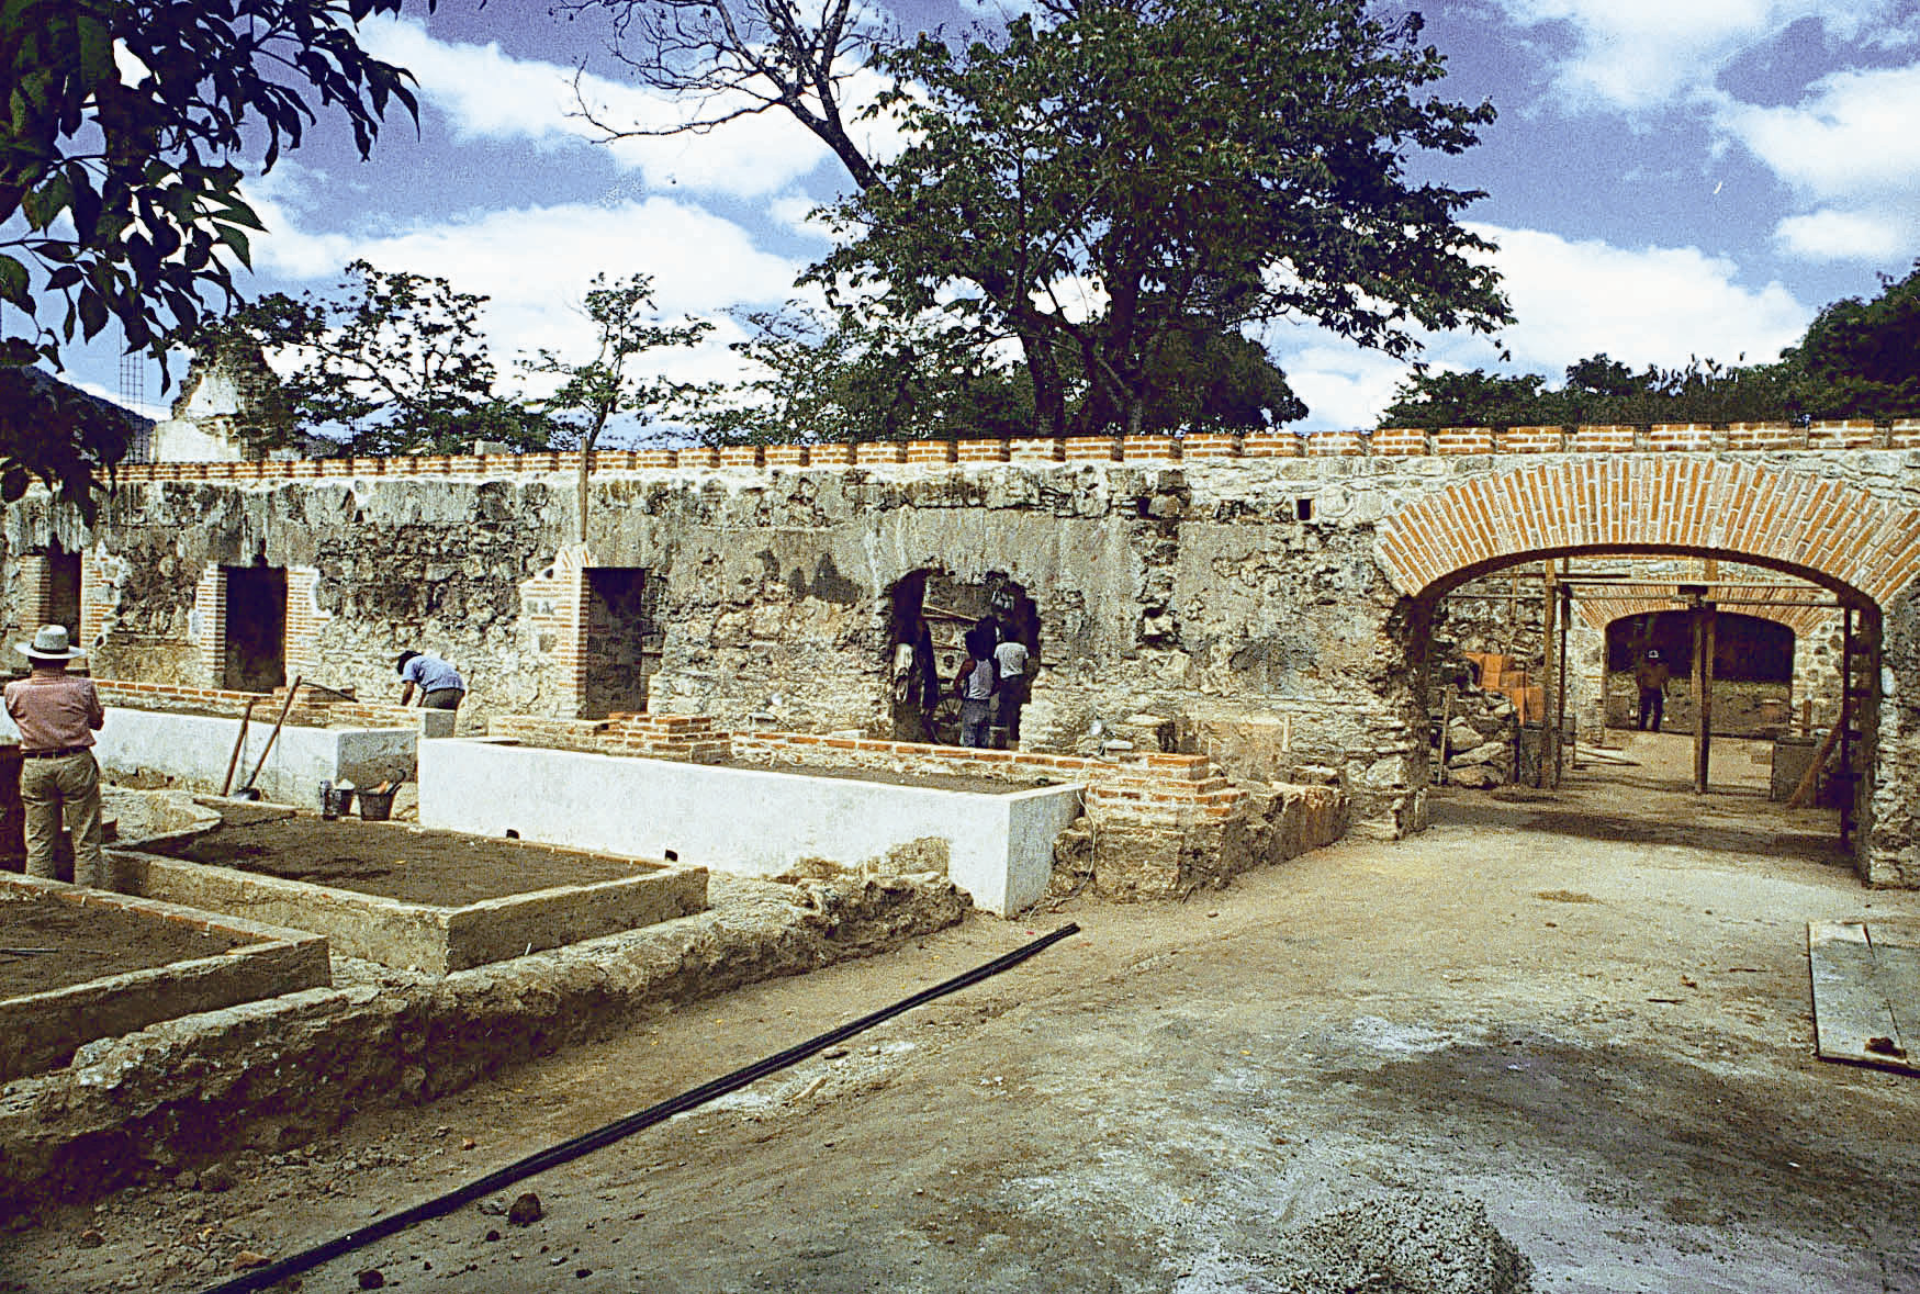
[[48, 644]]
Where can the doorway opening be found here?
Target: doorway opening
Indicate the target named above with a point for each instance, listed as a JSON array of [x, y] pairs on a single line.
[[929, 617], [623, 639], [256, 640]]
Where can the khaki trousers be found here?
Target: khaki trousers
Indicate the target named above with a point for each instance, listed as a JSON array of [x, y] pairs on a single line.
[[49, 786]]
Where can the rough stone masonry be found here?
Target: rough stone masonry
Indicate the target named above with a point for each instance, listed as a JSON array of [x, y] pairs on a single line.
[[1248, 601]]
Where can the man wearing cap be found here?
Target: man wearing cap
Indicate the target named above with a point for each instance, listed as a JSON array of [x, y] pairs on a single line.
[[1651, 676], [57, 714]]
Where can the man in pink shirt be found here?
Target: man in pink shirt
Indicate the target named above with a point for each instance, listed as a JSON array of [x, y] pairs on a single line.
[[57, 715]]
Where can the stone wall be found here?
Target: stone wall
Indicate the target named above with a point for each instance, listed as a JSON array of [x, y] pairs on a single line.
[[1273, 607]]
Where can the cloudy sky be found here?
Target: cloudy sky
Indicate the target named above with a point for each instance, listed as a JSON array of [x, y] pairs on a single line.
[[1667, 178]]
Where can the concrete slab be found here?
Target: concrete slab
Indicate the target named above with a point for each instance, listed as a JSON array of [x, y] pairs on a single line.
[[41, 1031], [754, 822]]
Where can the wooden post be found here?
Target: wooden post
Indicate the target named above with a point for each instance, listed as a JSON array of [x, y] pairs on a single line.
[[1845, 773], [1549, 736], [1703, 627], [1560, 674]]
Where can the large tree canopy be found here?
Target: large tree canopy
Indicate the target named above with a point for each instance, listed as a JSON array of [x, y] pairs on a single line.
[[1102, 183], [119, 190], [390, 363], [1099, 181], [1862, 358]]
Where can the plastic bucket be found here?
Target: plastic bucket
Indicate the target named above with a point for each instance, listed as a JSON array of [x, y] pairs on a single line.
[[375, 806]]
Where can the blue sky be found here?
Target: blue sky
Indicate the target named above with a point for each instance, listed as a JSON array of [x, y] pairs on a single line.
[[1666, 178]]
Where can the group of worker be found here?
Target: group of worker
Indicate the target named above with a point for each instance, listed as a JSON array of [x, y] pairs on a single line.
[[57, 714], [992, 684]]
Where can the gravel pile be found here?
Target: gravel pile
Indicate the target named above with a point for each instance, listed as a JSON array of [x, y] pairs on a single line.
[[1400, 1244]]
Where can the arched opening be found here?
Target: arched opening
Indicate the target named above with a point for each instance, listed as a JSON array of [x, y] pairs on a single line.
[[1859, 544], [1752, 672], [929, 614]]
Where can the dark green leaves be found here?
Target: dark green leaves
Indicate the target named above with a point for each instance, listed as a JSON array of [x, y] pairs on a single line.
[[137, 165]]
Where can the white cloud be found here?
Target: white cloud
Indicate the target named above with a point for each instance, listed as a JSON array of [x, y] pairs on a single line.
[[1641, 306], [487, 94], [1876, 236], [1850, 143], [534, 264], [1634, 54], [1571, 300], [1854, 133]]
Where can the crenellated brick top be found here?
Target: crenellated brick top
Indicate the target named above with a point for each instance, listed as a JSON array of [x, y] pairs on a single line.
[[1388, 442]]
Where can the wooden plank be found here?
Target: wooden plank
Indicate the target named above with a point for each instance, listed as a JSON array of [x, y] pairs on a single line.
[[1849, 1008]]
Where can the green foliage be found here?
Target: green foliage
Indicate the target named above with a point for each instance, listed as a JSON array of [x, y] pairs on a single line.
[[1097, 186], [839, 378], [1862, 358], [592, 394], [1602, 391], [119, 196], [392, 363]]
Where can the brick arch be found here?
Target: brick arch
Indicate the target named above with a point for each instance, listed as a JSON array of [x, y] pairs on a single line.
[[1599, 613], [1833, 533]]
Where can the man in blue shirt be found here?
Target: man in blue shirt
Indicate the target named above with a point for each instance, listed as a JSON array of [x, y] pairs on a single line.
[[441, 687]]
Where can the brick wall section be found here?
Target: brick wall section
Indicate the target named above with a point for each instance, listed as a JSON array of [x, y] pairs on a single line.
[[1386, 442], [1148, 786], [687, 738], [210, 610], [1707, 505], [36, 596], [310, 709], [97, 595], [552, 613], [305, 621]]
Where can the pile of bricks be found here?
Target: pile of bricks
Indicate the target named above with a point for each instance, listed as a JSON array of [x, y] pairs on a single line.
[[1500, 674]]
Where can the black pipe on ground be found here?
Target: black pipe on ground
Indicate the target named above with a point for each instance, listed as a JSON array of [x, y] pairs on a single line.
[[567, 1151]]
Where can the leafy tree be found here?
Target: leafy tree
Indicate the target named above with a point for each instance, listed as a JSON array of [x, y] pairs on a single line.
[[1106, 173], [1476, 399], [393, 363], [1601, 391], [608, 386], [1862, 358], [1203, 380], [1096, 184], [119, 193], [839, 377]]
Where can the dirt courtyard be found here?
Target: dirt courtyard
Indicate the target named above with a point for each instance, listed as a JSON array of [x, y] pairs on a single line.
[[1589, 1009]]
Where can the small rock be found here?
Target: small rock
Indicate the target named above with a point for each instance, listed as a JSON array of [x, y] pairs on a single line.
[[468, 1143], [493, 1233], [216, 1178], [581, 1273], [526, 1210], [246, 1260], [90, 1239], [372, 1279]]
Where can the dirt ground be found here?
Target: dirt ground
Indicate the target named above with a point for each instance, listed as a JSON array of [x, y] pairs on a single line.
[[47, 944], [392, 860], [1588, 1009]]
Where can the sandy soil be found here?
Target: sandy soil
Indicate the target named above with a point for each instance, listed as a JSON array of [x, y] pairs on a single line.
[[1589, 1010], [46, 944], [393, 861]]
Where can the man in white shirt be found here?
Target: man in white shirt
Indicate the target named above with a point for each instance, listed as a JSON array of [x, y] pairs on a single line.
[[1011, 660]]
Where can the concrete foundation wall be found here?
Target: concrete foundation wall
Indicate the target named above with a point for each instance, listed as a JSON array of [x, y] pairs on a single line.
[[192, 751], [999, 848]]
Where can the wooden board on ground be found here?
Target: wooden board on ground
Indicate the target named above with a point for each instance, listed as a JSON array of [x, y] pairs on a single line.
[[1864, 973]]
